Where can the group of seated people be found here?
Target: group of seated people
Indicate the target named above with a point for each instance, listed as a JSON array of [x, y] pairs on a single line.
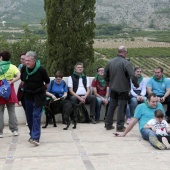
[[78, 89], [157, 84]]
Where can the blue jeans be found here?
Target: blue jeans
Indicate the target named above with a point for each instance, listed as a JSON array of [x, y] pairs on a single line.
[[33, 114], [133, 104], [128, 116], [98, 107], [146, 133]]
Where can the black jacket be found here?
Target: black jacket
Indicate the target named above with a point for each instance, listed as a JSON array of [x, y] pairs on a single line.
[[118, 73]]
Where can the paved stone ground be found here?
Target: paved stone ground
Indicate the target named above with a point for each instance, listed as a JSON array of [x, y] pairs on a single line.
[[89, 147]]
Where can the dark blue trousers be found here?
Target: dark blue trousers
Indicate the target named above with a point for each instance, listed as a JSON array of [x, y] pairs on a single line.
[[33, 114]]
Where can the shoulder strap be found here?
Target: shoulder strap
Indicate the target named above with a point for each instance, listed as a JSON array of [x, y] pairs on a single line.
[[64, 83], [52, 83]]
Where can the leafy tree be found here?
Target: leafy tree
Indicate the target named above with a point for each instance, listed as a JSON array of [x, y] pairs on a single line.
[[70, 33]]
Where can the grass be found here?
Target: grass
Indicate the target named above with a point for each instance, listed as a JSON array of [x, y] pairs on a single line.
[[153, 35]]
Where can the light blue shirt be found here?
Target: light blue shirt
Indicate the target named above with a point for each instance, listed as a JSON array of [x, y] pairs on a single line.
[[144, 113], [158, 87]]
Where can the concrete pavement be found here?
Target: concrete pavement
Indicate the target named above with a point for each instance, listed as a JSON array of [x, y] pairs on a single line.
[[89, 147]]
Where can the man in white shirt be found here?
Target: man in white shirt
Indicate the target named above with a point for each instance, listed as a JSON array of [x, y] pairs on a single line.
[[79, 89]]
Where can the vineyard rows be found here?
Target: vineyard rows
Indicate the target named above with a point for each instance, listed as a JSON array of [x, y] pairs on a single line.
[[158, 57], [148, 65]]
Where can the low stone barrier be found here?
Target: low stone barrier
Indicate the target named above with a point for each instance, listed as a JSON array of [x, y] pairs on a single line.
[[21, 115]]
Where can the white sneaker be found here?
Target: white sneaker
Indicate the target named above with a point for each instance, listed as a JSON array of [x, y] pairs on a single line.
[[15, 133], [1, 135], [35, 142], [165, 142]]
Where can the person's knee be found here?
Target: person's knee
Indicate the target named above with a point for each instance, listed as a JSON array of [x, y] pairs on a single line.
[[98, 101], [73, 99], [91, 99], [152, 133], [133, 101]]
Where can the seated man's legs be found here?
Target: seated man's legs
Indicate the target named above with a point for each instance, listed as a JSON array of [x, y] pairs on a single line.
[[74, 99], [133, 104], [107, 107], [149, 135], [91, 99], [98, 108], [128, 116]]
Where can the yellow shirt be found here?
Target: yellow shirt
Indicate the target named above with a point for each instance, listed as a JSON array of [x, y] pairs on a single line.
[[11, 73]]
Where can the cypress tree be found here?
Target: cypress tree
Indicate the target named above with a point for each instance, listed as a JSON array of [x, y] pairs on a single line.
[[70, 33]]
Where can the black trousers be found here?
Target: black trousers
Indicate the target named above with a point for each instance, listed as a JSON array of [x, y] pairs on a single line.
[[167, 101], [119, 99], [91, 99], [160, 138]]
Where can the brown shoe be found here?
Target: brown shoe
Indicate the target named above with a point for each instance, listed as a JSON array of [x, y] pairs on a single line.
[[120, 129]]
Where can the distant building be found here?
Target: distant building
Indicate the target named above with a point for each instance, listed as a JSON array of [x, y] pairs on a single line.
[[3, 23]]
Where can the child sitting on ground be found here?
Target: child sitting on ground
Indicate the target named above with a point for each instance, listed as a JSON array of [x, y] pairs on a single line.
[[161, 128]]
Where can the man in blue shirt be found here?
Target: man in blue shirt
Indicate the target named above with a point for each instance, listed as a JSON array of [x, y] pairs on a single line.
[[143, 113], [160, 85]]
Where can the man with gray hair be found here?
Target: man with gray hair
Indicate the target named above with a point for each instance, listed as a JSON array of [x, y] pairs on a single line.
[[118, 73], [33, 76]]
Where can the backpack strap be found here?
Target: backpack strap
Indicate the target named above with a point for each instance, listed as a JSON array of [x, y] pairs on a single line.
[[52, 83], [64, 83]]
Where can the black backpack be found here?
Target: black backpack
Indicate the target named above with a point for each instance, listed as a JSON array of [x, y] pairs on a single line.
[[82, 114]]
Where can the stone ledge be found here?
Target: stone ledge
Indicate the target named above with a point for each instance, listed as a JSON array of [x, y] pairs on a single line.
[[21, 115]]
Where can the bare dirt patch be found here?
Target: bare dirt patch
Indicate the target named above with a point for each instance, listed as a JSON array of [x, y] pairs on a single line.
[[104, 43]]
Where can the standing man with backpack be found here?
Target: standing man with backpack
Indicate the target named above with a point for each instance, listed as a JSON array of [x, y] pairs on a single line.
[[118, 73]]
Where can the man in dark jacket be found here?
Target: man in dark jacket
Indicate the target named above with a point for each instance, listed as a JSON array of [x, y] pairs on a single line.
[[35, 80], [118, 73]]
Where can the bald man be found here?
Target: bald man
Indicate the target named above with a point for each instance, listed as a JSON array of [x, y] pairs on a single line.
[[118, 73]]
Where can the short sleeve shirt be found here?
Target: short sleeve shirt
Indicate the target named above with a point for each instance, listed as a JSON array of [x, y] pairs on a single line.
[[144, 113], [100, 89], [58, 88], [11, 73], [158, 87], [159, 126], [81, 90]]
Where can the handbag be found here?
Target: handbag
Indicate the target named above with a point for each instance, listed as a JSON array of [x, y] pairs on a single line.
[[5, 89]]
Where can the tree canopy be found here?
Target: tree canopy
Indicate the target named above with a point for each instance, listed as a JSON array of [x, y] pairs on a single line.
[[70, 33]]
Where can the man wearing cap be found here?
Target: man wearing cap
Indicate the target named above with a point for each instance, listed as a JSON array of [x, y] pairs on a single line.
[[118, 73]]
